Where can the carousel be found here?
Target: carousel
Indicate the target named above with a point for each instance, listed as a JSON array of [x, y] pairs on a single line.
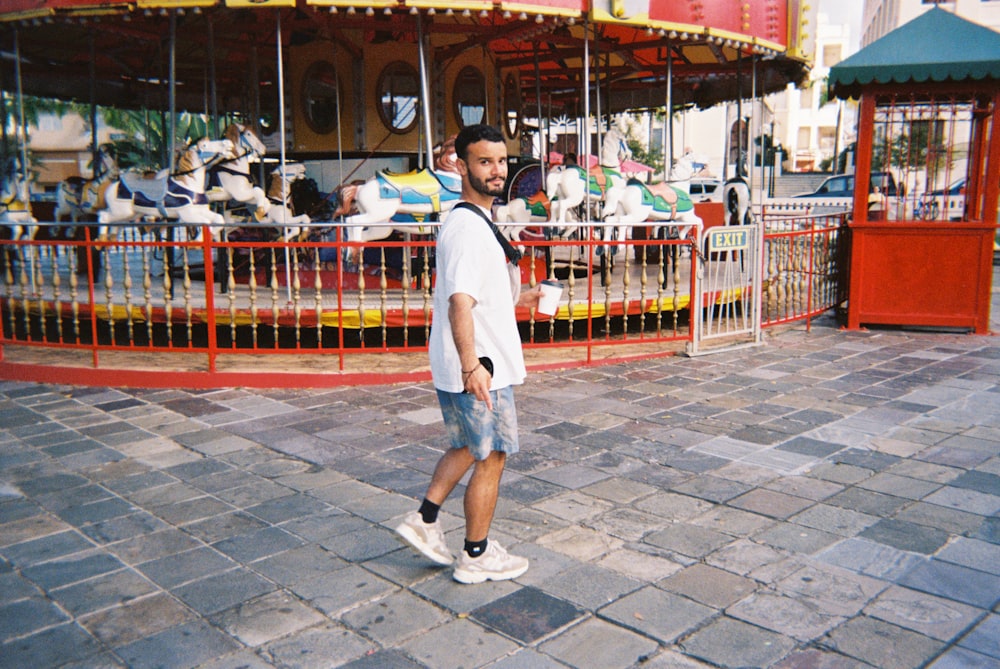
[[301, 219]]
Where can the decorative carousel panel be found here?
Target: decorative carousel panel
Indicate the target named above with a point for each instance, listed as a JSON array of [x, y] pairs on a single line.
[[547, 7], [258, 4]]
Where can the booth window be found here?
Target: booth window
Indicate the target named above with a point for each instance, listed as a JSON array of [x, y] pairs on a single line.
[[469, 95], [320, 97], [398, 94], [511, 106]]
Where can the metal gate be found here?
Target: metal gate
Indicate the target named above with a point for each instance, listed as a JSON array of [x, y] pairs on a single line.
[[726, 305]]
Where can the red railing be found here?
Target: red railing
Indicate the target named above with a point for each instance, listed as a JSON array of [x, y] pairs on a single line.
[[251, 309]]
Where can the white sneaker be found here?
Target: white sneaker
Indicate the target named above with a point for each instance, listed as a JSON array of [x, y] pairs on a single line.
[[428, 540], [495, 564]]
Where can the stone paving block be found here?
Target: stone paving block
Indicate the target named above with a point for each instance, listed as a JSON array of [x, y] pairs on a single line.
[[391, 620], [258, 544], [673, 507], [931, 616], [843, 522], [618, 490], [285, 508], [882, 645], [770, 503], [869, 502], [102, 591], [954, 582], [599, 643], [137, 619], [952, 521], [965, 500], [639, 565], [221, 591], [744, 556], [328, 645], [839, 472], [225, 526], [573, 506], [341, 590], [953, 456], [731, 643], [804, 486], [906, 536], [735, 522], [264, 619], [527, 615], [972, 553], [709, 585], [299, 564], [961, 658], [572, 476], [175, 569], [24, 616], [788, 616], [363, 544], [457, 644], [627, 524], [185, 645], [870, 558], [712, 488], [689, 540], [71, 569], [580, 543], [903, 487], [656, 613], [831, 589], [984, 638], [46, 547], [589, 585], [53, 647]]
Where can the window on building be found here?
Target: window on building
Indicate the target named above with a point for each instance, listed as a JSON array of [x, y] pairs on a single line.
[[805, 135], [806, 97], [832, 54]]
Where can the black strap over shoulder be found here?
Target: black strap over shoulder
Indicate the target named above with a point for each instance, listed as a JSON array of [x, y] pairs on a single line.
[[513, 255]]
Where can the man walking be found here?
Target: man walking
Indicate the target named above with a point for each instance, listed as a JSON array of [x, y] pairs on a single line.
[[476, 359]]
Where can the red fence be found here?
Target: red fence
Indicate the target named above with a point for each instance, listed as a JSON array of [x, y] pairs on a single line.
[[149, 309]]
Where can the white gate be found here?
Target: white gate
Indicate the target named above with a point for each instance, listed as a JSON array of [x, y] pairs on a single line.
[[726, 303]]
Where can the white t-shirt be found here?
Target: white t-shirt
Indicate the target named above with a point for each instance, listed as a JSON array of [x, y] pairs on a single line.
[[470, 260]]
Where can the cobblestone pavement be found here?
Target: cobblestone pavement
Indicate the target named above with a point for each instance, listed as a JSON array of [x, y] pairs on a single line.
[[827, 500]]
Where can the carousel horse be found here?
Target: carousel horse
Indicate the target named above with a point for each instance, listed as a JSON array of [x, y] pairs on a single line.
[[391, 202], [605, 183], [15, 206], [280, 201], [230, 179], [175, 196], [535, 209], [77, 196], [665, 201], [736, 199]]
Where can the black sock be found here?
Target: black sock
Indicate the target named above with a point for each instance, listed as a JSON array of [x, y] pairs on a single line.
[[429, 511], [475, 548]]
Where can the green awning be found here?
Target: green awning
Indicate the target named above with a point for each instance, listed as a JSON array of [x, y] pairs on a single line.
[[936, 46]]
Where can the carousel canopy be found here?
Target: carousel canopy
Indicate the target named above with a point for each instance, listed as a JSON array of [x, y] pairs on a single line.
[[916, 53], [118, 53]]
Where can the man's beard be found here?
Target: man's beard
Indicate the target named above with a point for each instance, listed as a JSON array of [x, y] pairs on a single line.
[[483, 188]]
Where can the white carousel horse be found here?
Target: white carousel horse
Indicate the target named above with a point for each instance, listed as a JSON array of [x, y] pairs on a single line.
[[665, 201], [279, 200], [77, 196], [568, 187], [402, 202], [177, 196], [736, 199], [230, 179], [15, 207]]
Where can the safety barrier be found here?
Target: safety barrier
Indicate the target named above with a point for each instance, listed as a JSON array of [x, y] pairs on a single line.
[[242, 306]]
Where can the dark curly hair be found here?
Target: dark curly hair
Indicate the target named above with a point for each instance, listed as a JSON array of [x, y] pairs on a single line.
[[471, 134]]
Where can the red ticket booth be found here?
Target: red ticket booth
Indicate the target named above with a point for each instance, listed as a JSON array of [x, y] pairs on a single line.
[[921, 253]]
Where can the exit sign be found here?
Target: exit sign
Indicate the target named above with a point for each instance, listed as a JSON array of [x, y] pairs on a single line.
[[728, 239]]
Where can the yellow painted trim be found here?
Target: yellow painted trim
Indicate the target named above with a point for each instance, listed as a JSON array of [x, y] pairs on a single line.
[[257, 4], [174, 4], [535, 10]]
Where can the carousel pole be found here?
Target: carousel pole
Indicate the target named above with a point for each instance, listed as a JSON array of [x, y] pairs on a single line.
[[425, 95], [668, 126], [281, 136], [93, 105], [543, 138], [24, 142], [586, 152], [213, 92], [168, 253]]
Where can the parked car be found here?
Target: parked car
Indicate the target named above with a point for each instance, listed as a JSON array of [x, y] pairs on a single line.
[[950, 199], [842, 185], [706, 189]]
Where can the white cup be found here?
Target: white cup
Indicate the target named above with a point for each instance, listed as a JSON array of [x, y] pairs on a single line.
[[549, 301]]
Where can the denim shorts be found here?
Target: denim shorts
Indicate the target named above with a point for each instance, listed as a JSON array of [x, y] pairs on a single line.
[[470, 424]]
